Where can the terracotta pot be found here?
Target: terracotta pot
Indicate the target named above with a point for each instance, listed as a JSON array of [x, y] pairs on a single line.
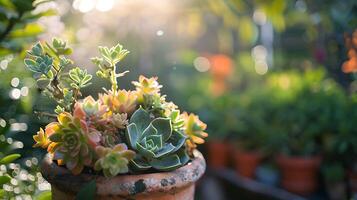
[[247, 162], [218, 152], [299, 174], [177, 184]]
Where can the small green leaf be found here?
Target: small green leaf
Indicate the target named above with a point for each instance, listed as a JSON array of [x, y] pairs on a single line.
[[42, 83], [87, 191], [29, 30], [2, 193], [46, 13], [167, 163], [46, 195], [36, 49], [32, 65], [4, 179], [10, 158]]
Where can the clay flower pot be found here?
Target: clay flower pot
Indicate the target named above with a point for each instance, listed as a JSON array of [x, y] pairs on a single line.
[[247, 162], [218, 154], [299, 174], [177, 184]]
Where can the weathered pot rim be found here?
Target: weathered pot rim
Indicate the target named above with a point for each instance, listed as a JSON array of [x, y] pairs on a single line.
[[125, 185]]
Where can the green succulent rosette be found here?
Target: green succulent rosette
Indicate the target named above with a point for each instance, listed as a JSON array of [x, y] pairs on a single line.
[[157, 145]]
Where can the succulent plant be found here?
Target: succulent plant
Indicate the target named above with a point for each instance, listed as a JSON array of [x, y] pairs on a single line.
[[194, 129], [50, 66], [107, 64], [114, 160], [120, 120], [147, 85], [120, 102], [41, 139], [147, 90], [74, 143], [97, 133], [157, 145]]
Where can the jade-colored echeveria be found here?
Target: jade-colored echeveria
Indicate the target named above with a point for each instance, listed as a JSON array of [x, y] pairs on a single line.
[[74, 144], [157, 144], [114, 160]]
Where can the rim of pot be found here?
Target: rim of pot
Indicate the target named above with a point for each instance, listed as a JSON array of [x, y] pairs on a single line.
[[125, 185]]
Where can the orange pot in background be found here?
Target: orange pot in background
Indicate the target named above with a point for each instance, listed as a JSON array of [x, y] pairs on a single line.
[[247, 162], [218, 152], [299, 174]]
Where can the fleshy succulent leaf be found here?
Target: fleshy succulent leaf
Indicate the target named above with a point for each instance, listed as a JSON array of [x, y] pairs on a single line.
[[163, 127], [150, 130], [144, 151], [132, 135], [168, 148], [157, 139], [141, 118], [177, 139], [139, 163], [167, 163], [184, 157]]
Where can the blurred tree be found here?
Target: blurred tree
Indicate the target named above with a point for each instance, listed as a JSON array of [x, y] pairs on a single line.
[[18, 27]]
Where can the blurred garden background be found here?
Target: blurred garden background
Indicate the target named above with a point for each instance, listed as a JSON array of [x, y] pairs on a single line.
[[275, 81]]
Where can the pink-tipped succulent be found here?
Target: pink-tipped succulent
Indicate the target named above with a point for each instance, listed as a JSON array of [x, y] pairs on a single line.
[[122, 101], [74, 143]]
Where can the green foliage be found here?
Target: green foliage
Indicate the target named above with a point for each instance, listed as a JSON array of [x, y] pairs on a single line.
[[49, 64], [158, 146], [107, 63], [80, 78], [46, 195], [333, 172], [8, 159], [18, 23]]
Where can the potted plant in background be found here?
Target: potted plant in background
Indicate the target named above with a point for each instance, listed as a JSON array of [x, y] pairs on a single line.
[[251, 132], [223, 121], [298, 125], [345, 142], [126, 144]]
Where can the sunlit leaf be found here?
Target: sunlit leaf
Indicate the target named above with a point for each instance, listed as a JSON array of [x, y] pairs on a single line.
[[46, 195], [29, 30], [10, 158], [4, 179]]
